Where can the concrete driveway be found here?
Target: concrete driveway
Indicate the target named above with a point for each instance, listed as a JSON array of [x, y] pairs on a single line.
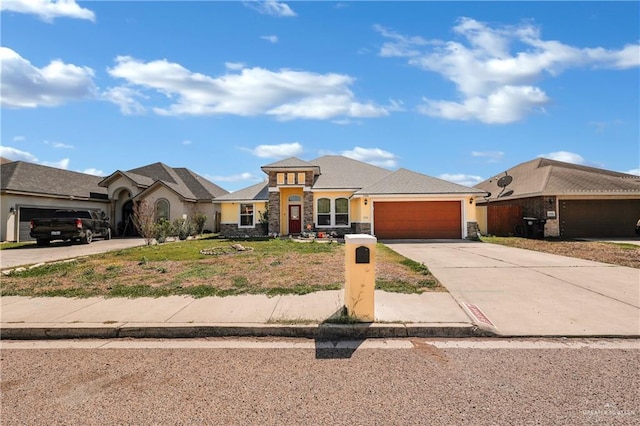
[[517, 292], [30, 255]]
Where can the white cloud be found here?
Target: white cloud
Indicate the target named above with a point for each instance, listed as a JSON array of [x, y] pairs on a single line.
[[505, 105], [492, 156], [462, 179], [186, 142], [567, 157], [59, 145], [26, 86], [283, 150], [271, 7], [19, 139], [19, 155], [375, 156], [48, 10], [246, 176], [495, 84], [633, 172], [95, 172], [234, 65], [126, 98], [601, 126], [270, 38], [285, 94], [62, 164]]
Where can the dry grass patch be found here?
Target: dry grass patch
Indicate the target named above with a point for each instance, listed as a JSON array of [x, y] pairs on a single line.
[[615, 254], [271, 267]]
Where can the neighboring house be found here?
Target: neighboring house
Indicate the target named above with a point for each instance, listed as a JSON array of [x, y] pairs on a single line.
[[338, 194], [30, 190], [575, 201], [174, 192]]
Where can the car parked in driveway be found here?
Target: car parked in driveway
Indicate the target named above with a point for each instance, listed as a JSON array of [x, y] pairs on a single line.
[[74, 225]]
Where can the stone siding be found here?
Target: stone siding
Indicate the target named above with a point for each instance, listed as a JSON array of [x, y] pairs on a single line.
[[307, 209], [361, 228], [232, 230], [473, 231], [274, 213]]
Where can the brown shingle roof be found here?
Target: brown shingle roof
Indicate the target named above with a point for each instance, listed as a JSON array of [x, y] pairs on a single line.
[[338, 172], [543, 176], [257, 192], [406, 181], [21, 176], [182, 181]]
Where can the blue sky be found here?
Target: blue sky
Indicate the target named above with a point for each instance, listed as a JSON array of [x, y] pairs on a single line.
[[457, 90]]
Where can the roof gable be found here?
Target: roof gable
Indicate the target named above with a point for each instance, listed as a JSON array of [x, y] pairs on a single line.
[[289, 163], [182, 181]]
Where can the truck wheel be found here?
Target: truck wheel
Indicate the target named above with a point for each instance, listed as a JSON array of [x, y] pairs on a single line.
[[107, 235], [42, 242], [88, 237]]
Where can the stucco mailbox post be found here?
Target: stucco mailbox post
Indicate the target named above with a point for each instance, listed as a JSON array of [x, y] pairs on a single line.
[[360, 276]]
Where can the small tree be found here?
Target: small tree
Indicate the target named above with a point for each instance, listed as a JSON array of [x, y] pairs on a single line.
[[144, 220], [199, 219]]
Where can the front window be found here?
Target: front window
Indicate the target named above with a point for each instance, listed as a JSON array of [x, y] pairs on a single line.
[[333, 212], [162, 209], [342, 212], [246, 214], [324, 212]]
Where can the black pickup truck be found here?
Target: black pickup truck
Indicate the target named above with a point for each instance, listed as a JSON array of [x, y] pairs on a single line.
[[74, 225]]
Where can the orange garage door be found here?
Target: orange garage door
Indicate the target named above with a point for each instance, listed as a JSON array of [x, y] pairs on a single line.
[[417, 219]]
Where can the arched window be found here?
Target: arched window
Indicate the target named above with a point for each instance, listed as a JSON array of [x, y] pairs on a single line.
[[162, 209]]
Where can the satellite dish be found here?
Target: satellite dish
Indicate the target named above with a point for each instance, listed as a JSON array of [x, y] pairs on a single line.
[[506, 194], [504, 181]]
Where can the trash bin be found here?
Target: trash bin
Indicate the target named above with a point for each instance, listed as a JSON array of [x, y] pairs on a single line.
[[534, 227]]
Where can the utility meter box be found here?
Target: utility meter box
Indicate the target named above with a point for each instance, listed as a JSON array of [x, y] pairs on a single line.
[[360, 276]]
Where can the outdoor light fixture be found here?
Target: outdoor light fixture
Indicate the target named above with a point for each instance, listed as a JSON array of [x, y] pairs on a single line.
[[366, 201], [470, 200], [12, 210]]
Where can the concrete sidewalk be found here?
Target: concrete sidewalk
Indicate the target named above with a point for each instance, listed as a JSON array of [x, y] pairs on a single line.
[[397, 315]]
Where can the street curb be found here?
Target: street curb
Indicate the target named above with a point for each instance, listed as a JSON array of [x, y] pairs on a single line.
[[181, 331]]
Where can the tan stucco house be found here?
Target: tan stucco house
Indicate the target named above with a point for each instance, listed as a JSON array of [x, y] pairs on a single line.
[[338, 194], [30, 190], [573, 201], [174, 192]]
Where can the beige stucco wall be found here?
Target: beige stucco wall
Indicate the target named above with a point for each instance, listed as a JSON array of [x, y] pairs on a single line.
[[481, 215], [230, 212], [10, 222]]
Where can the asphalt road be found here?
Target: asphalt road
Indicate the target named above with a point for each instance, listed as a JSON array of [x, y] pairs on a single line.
[[305, 382], [59, 250]]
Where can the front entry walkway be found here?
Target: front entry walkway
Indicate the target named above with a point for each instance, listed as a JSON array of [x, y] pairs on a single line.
[[518, 292]]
